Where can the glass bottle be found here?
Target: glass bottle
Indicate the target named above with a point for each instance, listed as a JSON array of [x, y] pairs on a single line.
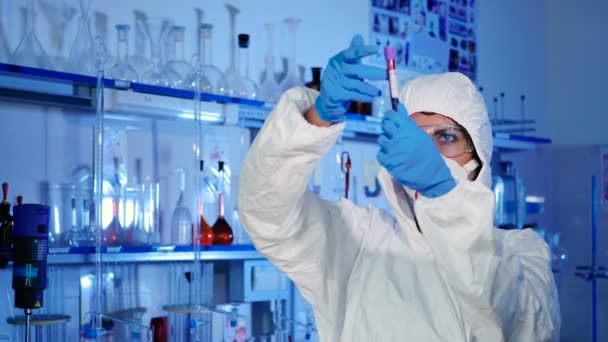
[[30, 52], [221, 229], [316, 79], [73, 236], [269, 88], [122, 71], [6, 220], [156, 29], [242, 86], [291, 79], [87, 235], [207, 234], [231, 72], [82, 54], [177, 65]]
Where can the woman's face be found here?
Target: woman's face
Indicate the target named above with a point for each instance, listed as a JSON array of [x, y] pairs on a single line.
[[426, 121]]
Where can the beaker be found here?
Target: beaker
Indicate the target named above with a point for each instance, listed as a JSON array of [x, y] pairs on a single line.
[[122, 71], [44, 325], [291, 79], [269, 88], [177, 65], [59, 14], [241, 85], [82, 54], [30, 52], [156, 29]]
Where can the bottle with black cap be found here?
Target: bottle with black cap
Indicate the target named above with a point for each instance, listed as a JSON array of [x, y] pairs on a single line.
[[243, 86], [316, 79]]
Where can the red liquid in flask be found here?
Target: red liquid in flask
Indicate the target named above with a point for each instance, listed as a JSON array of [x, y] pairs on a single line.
[[207, 235], [221, 229]]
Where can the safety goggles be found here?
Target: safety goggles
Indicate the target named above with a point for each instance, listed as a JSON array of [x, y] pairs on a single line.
[[452, 141]]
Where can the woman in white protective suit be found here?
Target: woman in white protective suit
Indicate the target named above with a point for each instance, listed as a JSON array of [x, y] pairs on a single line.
[[435, 271]]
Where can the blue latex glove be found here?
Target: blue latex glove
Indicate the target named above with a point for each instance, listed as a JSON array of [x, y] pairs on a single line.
[[342, 81], [411, 156]]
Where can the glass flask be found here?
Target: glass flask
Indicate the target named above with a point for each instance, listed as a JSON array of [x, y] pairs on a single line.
[[122, 71], [139, 58], [269, 88], [206, 232], [72, 237], [5, 51], [181, 220], [213, 79], [177, 65], [231, 72], [82, 54], [291, 79], [221, 229], [156, 29], [59, 14], [243, 86], [101, 38], [30, 52], [87, 235]]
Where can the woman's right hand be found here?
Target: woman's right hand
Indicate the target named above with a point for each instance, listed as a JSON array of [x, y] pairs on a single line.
[[342, 81]]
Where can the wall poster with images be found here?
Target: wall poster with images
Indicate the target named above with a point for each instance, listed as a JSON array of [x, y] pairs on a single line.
[[429, 36]]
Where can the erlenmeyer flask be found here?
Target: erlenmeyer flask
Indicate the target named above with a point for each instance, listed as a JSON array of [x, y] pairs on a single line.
[[242, 86], [156, 29], [139, 59], [59, 14], [269, 88], [122, 70], [212, 75], [178, 68], [291, 79], [29, 52], [82, 53]]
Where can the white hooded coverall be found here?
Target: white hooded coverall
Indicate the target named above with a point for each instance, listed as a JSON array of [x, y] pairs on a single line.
[[373, 277]]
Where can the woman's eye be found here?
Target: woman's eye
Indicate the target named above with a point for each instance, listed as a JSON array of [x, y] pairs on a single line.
[[446, 138]]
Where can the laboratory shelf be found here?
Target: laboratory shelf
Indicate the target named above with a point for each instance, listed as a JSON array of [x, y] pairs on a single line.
[[74, 88], [139, 254], [128, 99]]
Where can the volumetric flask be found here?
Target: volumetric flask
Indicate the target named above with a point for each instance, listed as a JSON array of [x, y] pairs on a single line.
[[177, 65], [122, 70], [156, 29]]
